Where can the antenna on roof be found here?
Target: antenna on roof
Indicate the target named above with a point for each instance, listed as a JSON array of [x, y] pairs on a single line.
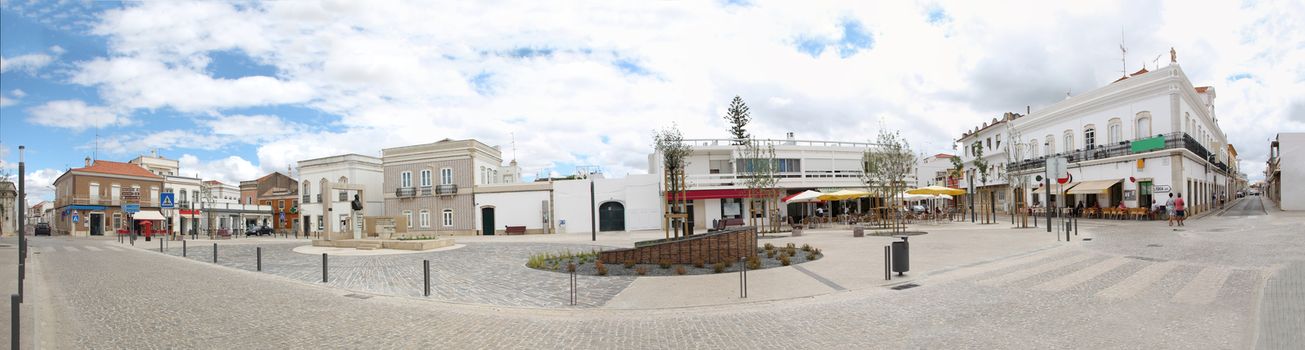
[[1156, 61], [1123, 53], [514, 145]]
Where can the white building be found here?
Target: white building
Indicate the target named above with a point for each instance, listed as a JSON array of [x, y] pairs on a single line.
[[182, 218], [567, 206], [222, 211], [347, 168], [1285, 175], [1134, 140], [717, 192]]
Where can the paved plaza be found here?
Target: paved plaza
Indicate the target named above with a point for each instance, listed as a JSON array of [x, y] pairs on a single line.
[[1222, 281]]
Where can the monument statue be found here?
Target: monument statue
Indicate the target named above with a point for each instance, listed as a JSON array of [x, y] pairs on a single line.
[[1173, 55], [357, 203]]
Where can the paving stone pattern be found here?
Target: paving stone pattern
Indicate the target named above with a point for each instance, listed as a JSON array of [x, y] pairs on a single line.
[[480, 273]]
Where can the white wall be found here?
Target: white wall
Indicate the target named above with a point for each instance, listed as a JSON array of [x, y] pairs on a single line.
[[1291, 147], [373, 196], [523, 208], [639, 194]]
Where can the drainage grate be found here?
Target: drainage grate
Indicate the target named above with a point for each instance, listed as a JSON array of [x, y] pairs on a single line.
[[1087, 239], [1153, 245], [904, 286], [1146, 258], [358, 296]]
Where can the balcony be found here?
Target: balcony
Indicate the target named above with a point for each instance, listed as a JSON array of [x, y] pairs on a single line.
[[405, 192], [449, 189], [425, 190], [1175, 140]]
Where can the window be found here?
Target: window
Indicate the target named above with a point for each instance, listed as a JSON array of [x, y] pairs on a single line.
[[344, 196], [484, 175], [989, 143], [320, 226], [425, 218], [308, 192], [1069, 140], [425, 178], [1033, 149], [446, 176], [117, 220], [1089, 137], [1049, 147], [405, 179], [183, 196], [998, 145], [448, 217], [719, 166], [407, 216], [280, 204], [1143, 124], [1115, 132]]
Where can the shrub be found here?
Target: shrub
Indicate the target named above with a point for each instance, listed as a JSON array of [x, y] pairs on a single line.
[[792, 251], [754, 262], [729, 263], [602, 269], [537, 261], [641, 270], [570, 267], [770, 247], [698, 263], [770, 254], [818, 252], [718, 267], [629, 263], [806, 247], [665, 264], [790, 246], [783, 260], [680, 270], [811, 256]]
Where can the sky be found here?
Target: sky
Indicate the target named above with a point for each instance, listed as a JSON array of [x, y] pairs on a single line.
[[235, 90]]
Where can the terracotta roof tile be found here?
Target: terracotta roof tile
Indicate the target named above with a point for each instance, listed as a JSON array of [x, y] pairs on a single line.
[[1201, 89], [117, 168], [1139, 72]]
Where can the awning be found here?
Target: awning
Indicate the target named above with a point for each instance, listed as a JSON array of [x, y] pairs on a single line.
[[1092, 187], [804, 196], [147, 215], [710, 194]]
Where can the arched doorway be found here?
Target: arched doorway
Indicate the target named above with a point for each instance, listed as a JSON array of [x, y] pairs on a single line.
[[487, 221], [611, 217]]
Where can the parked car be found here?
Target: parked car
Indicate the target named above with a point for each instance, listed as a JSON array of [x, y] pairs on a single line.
[[258, 231], [42, 229]]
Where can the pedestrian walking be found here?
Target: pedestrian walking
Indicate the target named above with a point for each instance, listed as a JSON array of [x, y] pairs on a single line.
[[1180, 209], [1169, 210]]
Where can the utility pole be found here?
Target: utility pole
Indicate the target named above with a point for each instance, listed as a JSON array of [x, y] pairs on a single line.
[[593, 212]]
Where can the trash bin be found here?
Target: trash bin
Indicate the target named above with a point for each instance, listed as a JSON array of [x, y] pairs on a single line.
[[901, 257]]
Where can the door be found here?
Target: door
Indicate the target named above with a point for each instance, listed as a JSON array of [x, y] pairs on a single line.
[[1144, 194], [97, 224], [487, 221], [611, 217]]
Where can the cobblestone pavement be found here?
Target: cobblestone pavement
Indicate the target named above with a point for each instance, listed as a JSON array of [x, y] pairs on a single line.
[[479, 273], [1196, 289]]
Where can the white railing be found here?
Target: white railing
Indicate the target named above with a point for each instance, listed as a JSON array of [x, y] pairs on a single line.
[[794, 180], [774, 142]]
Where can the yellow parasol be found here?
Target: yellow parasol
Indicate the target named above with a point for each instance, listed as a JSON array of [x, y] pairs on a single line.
[[935, 190], [843, 195]]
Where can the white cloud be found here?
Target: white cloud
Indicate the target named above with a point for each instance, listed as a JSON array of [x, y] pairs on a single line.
[[563, 78], [229, 170], [40, 184], [6, 101], [252, 128], [75, 115], [28, 63]]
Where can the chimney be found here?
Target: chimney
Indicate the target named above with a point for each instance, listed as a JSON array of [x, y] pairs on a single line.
[[790, 135], [88, 161]]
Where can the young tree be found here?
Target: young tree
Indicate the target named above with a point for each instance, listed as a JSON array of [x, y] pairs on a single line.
[[885, 168], [981, 168], [759, 169], [670, 144], [738, 117], [1014, 153]]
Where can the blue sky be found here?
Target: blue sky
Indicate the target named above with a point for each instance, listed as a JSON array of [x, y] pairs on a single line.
[[237, 90]]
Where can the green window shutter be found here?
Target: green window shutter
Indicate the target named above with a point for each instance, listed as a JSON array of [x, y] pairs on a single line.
[[1148, 144]]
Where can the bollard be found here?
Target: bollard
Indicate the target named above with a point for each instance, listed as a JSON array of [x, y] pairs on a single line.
[[323, 267], [214, 253], [258, 253], [14, 300], [888, 263], [572, 287], [161, 245], [183, 248], [743, 278], [1076, 226], [425, 269], [21, 275]]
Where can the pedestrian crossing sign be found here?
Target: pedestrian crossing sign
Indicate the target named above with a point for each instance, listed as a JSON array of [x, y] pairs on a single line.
[[167, 200]]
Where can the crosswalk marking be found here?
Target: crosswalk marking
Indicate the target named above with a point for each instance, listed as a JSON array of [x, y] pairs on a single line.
[[1204, 287], [1002, 264], [1080, 276], [116, 249], [71, 248], [1035, 270], [1139, 281], [93, 249]]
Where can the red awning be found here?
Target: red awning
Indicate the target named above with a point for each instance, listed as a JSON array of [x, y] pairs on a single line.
[[786, 198], [190, 212], [711, 194]]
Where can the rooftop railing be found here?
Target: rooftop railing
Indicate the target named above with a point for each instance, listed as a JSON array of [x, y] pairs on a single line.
[[773, 142], [1175, 140]]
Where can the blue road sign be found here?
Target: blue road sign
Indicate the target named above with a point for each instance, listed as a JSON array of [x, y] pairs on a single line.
[[131, 208], [167, 200], [76, 218]]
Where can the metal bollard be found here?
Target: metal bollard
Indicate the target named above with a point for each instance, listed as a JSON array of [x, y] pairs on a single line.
[[21, 276], [183, 248], [324, 268], [425, 268], [214, 253], [888, 263], [572, 287], [1076, 226], [258, 253], [743, 278], [161, 245], [14, 301]]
